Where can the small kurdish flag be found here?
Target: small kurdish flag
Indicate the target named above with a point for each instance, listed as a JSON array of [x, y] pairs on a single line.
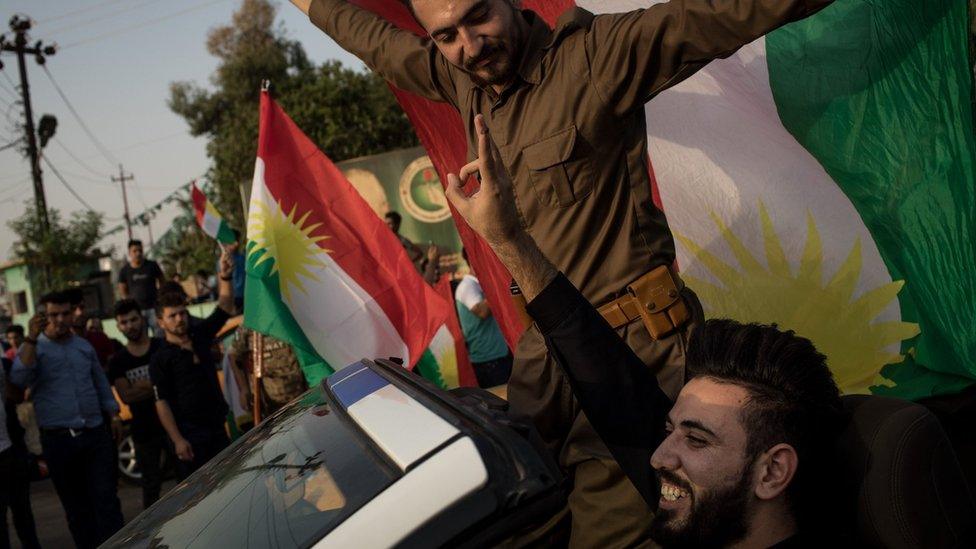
[[209, 219], [324, 272]]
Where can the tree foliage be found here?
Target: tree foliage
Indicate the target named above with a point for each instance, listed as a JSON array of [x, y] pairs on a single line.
[[64, 250], [346, 112]]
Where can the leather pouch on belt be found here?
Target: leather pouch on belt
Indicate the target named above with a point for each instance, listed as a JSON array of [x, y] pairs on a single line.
[[659, 293]]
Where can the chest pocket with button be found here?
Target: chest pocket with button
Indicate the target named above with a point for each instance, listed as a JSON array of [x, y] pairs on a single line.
[[558, 179]]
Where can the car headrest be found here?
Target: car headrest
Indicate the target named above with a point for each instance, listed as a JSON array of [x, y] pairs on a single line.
[[906, 484]]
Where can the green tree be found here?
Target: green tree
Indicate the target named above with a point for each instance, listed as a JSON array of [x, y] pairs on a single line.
[[346, 112], [63, 251]]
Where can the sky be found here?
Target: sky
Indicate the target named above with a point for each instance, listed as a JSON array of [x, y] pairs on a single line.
[[115, 63]]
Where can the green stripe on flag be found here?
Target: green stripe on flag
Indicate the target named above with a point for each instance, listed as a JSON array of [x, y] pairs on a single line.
[[880, 92], [267, 313], [225, 235], [428, 369]]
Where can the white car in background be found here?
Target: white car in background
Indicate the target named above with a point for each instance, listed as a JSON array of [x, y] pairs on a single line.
[[373, 457]]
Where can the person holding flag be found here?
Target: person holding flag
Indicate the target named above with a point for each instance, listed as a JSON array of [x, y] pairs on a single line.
[[214, 226], [566, 107]]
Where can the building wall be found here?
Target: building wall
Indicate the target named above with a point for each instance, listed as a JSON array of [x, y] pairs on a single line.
[[19, 289]]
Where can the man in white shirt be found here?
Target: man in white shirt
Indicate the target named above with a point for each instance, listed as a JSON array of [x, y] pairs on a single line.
[[487, 349]]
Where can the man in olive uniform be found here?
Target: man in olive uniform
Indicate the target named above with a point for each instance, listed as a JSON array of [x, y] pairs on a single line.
[[565, 108], [282, 379]]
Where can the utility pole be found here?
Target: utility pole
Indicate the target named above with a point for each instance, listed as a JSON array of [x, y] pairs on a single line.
[[20, 26], [122, 178]]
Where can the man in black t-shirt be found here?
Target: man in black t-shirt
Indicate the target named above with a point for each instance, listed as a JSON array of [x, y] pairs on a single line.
[[128, 370], [189, 400], [139, 280]]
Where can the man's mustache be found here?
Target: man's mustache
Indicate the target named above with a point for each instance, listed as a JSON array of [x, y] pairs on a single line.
[[672, 479], [486, 52]]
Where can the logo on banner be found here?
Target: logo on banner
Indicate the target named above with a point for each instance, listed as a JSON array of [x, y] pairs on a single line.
[[421, 193]]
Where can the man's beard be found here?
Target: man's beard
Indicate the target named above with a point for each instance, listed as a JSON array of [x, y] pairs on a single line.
[[717, 518], [497, 73]]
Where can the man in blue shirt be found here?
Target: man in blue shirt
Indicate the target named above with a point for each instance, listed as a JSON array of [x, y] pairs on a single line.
[[72, 399]]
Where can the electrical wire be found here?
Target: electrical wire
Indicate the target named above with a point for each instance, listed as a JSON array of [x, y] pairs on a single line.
[[77, 24], [142, 24], [11, 144], [76, 12], [78, 160], [98, 144], [8, 90], [10, 80], [66, 185]]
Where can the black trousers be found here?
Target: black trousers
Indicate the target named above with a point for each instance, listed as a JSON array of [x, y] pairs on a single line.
[[149, 452], [206, 441], [15, 494], [494, 372], [83, 469]]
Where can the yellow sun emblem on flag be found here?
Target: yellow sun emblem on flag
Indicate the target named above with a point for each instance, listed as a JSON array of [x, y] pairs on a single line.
[[841, 327], [289, 243]]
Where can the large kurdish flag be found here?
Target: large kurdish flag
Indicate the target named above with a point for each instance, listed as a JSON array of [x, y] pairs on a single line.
[[823, 178], [324, 273]]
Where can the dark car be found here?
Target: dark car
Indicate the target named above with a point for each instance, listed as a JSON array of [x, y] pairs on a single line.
[[375, 456]]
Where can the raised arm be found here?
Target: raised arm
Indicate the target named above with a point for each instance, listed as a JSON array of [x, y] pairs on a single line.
[[409, 61], [619, 394], [636, 55]]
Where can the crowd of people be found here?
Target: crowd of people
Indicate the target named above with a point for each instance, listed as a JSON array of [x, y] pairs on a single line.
[[166, 373]]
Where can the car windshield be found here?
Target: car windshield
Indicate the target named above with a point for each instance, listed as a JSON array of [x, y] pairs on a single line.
[[286, 483]]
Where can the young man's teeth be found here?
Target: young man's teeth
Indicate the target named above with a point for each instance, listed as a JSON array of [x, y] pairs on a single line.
[[672, 493]]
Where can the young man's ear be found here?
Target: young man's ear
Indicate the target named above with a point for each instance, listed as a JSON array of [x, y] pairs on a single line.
[[775, 470]]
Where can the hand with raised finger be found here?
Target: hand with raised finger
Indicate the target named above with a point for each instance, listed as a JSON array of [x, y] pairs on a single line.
[[489, 210]]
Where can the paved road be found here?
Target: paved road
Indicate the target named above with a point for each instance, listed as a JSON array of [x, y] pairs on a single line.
[[52, 528]]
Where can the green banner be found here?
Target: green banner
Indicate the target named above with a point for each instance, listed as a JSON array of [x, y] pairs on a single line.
[[405, 181]]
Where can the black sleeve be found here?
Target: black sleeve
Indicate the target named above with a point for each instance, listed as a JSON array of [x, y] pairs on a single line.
[[115, 368], [209, 326], [124, 273], [618, 393], [157, 272], [158, 374]]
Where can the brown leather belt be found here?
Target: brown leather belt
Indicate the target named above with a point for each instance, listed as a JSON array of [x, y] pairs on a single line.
[[655, 298]]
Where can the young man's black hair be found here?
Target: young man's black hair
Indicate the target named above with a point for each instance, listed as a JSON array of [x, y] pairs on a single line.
[[134, 242], [793, 396], [169, 299], [15, 329], [124, 307]]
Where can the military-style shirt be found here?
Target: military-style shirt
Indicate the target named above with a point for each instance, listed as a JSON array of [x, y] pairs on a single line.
[[571, 129], [282, 379]]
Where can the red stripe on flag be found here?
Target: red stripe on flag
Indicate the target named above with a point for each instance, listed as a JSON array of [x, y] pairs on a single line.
[[304, 181], [199, 202]]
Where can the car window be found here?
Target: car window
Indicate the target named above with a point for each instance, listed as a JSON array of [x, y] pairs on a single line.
[[286, 484]]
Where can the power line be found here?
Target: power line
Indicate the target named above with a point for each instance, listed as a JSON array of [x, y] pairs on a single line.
[[11, 90], [78, 160], [66, 185], [98, 144], [75, 24], [10, 80], [142, 24], [76, 12]]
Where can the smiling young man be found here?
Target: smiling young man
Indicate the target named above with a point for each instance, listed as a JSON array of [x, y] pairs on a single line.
[[734, 460], [566, 107]]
